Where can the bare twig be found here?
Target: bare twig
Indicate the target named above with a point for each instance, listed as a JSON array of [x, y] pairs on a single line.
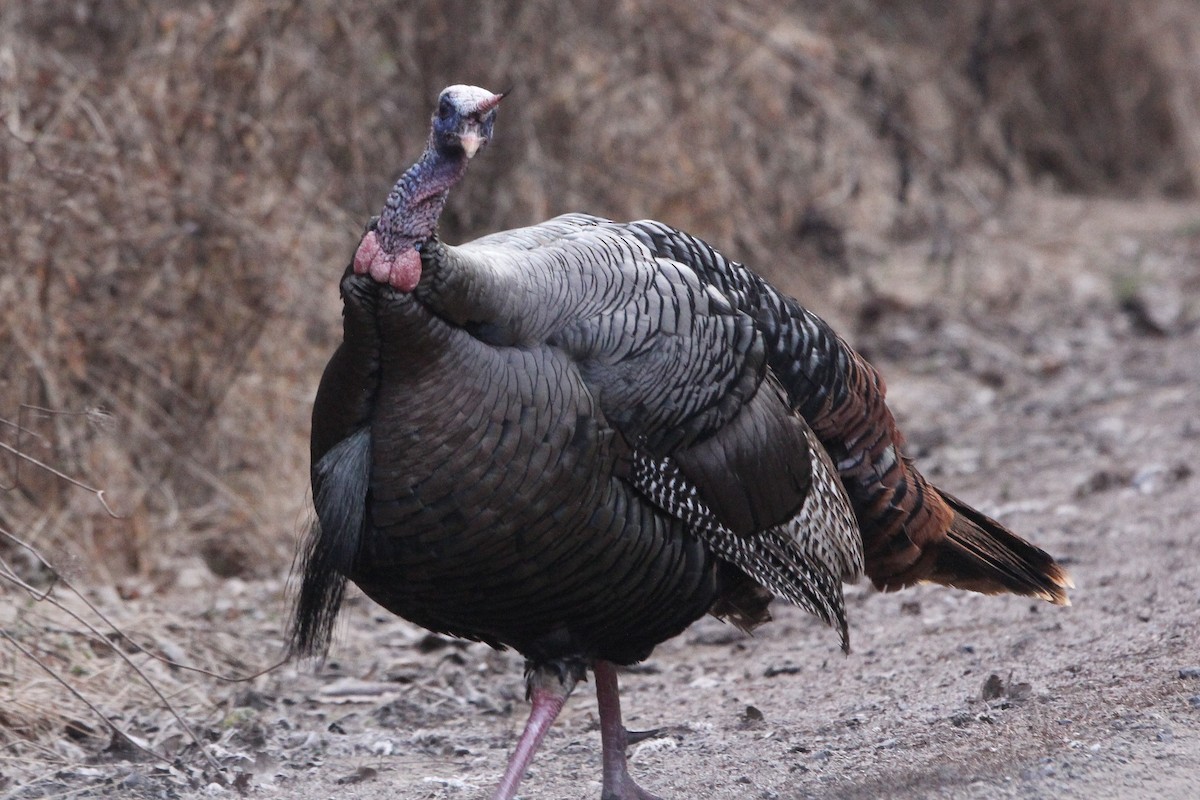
[[116, 729], [47, 596], [99, 493]]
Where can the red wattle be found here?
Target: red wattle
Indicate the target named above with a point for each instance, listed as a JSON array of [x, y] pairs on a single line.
[[401, 270]]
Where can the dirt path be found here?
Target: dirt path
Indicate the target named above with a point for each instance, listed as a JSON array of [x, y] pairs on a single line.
[[1059, 413]]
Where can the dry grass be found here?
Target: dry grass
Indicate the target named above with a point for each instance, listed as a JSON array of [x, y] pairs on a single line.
[[76, 686], [181, 183]]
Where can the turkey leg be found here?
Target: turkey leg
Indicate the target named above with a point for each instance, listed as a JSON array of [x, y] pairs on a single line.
[[614, 738], [549, 688]]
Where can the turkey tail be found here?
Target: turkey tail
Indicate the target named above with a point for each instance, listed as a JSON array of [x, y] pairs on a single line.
[[340, 482], [980, 554]]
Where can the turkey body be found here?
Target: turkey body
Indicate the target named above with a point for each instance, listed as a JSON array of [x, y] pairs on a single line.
[[502, 406], [574, 439]]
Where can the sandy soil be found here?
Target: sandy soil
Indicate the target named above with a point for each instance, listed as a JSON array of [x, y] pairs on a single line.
[[1045, 403]]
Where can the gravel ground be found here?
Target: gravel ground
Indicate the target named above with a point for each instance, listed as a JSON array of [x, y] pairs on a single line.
[[1067, 407]]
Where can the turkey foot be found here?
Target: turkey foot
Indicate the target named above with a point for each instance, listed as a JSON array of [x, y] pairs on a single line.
[[618, 785], [633, 737]]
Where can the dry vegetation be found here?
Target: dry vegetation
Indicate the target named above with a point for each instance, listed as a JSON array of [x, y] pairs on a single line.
[[180, 184]]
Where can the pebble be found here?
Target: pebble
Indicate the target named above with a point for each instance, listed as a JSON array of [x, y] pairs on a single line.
[[993, 687], [358, 776], [133, 780], [302, 739], [783, 669], [1194, 701], [1189, 673], [1155, 309]]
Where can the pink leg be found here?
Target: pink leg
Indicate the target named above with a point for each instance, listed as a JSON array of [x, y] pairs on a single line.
[[548, 692], [613, 739]]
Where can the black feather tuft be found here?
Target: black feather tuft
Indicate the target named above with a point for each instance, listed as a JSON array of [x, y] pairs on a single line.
[[340, 481]]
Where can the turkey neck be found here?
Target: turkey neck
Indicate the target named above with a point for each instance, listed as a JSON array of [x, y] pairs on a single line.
[[415, 204]]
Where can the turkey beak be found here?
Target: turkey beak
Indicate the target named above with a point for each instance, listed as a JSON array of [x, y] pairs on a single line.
[[471, 140]]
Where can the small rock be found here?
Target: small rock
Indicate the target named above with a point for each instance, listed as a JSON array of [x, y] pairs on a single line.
[[786, 669], [1148, 479], [1154, 310], [1102, 480], [457, 784], [1153, 478], [1019, 691], [383, 747], [358, 776], [752, 714], [302, 740], [994, 688], [1189, 673], [1194, 701], [133, 780]]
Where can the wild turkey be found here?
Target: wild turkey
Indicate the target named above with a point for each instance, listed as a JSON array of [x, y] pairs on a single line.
[[575, 439]]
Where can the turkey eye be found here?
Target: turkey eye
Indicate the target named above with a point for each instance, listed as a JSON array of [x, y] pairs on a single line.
[[445, 108]]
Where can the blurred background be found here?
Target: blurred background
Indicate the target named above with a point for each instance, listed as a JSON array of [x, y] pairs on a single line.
[[182, 184]]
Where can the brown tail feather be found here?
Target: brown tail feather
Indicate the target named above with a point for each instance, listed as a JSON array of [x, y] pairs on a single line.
[[982, 555]]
